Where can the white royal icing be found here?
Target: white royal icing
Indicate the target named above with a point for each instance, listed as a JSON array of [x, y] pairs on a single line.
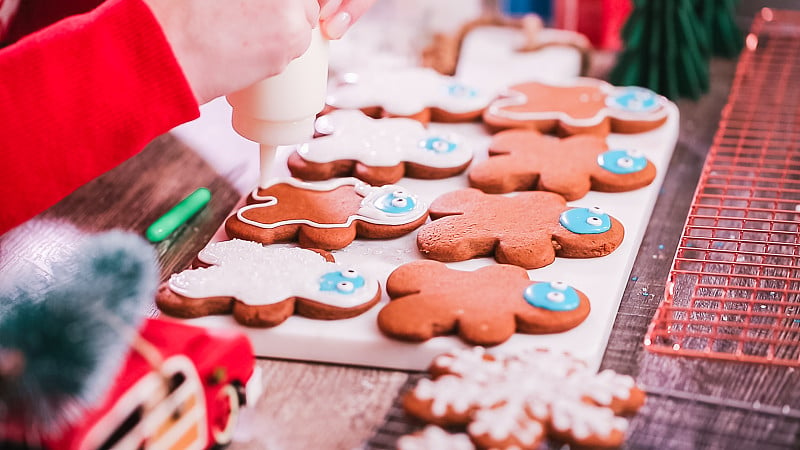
[[408, 91], [259, 275], [352, 135], [367, 211], [547, 386], [511, 98], [435, 438]]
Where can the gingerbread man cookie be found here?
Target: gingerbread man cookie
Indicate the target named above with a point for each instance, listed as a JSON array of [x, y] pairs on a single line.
[[528, 229], [418, 93], [378, 151], [528, 160], [586, 106], [262, 286], [326, 215], [484, 307], [519, 400]]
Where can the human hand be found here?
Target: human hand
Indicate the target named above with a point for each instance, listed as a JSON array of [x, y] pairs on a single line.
[[336, 16], [226, 46]]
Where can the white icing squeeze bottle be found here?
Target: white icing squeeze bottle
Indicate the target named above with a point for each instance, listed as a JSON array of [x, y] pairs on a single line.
[[281, 110]]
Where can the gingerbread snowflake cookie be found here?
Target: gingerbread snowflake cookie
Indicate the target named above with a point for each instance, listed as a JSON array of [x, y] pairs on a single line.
[[519, 400], [418, 93], [378, 151], [528, 229], [484, 307], [528, 160], [326, 215], [434, 438], [586, 106], [262, 286]]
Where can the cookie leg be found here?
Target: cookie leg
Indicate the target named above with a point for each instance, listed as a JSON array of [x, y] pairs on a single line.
[[488, 328], [325, 238], [528, 254]]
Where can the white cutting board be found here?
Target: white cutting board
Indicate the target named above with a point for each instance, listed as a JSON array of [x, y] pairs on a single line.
[[358, 341]]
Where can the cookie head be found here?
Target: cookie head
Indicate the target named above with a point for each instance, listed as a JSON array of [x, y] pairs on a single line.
[[418, 93], [483, 307], [522, 160], [326, 215], [586, 106], [262, 286], [377, 151]]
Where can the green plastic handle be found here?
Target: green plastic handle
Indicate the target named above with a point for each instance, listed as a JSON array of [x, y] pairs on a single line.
[[178, 215]]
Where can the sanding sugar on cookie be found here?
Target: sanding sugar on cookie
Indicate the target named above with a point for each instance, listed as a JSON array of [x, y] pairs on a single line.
[[327, 215], [418, 93], [583, 106], [262, 286], [527, 229], [519, 400], [522, 160], [378, 151], [483, 307]]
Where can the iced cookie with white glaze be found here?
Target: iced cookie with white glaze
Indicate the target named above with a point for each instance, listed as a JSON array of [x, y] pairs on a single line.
[[584, 106], [434, 438], [528, 229], [378, 151], [519, 400], [262, 286], [483, 307], [326, 215], [418, 93], [521, 160]]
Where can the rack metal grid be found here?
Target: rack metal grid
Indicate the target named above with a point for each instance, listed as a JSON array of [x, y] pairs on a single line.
[[734, 286]]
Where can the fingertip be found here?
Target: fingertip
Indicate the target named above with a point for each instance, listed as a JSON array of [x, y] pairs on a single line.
[[337, 25]]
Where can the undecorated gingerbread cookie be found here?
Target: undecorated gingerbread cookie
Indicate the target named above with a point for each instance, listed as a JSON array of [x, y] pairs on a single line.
[[262, 286], [378, 151], [326, 215], [528, 160], [484, 307], [519, 400], [418, 93], [585, 106], [528, 229]]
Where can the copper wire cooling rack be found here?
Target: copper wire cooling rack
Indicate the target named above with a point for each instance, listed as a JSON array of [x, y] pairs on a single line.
[[734, 287]]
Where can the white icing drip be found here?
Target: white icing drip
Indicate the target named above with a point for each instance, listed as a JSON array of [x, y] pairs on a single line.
[[380, 142], [405, 92], [435, 438], [259, 275], [514, 98], [546, 386], [367, 211]]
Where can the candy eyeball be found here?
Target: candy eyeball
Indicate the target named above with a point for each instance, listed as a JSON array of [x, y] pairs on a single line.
[[461, 91], [622, 161], [396, 202], [438, 145], [585, 220], [555, 296], [341, 282], [633, 99]]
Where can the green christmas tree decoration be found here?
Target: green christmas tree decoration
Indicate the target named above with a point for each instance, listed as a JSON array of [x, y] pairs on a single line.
[[666, 49], [61, 345], [719, 21]]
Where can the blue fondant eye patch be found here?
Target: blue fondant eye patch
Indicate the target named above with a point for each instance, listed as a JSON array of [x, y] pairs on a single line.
[[622, 161], [344, 282], [438, 145], [555, 296], [585, 220], [461, 91], [633, 99], [397, 202]]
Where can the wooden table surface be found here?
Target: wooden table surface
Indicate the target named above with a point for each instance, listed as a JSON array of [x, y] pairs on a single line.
[[691, 404]]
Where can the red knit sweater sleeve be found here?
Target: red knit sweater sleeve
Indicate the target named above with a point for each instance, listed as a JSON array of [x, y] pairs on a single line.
[[78, 98]]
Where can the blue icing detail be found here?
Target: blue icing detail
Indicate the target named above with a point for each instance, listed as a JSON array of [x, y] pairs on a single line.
[[622, 161], [438, 145], [396, 202], [633, 99], [585, 220], [344, 282], [461, 91], [554, 296]]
